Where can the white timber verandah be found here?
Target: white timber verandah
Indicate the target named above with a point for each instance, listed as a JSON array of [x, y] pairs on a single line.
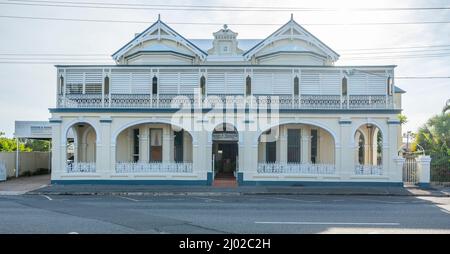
[[119, 146], [168, 87]]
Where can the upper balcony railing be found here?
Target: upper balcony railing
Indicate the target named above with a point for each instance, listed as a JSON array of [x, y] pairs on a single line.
[[226, 86], [225, 101]]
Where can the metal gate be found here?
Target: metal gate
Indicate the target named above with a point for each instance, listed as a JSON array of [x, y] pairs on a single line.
[[410, 174]]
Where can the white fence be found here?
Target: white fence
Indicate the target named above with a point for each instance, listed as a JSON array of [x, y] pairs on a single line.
[[154, 167], [29, 162], [296, 168]]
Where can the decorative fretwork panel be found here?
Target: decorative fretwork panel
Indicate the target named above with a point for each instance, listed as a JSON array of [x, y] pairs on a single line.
[[80, 167], [368, 169], [154, 167], [296, 168]]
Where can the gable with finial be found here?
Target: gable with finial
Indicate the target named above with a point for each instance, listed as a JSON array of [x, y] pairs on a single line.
[[159, 43], [292, 40], [225, 43]]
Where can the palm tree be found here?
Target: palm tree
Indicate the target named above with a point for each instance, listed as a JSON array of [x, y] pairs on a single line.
[[446, 107]]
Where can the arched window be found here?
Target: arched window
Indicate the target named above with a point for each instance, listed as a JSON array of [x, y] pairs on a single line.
[[344, 86], [296, 86], [61, 85], [203, 85], [155, 85], [361, 147], [106, 89], [248, 86], [389, 86]]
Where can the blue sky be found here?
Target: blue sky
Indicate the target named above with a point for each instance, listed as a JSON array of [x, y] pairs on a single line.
[[27, 90]]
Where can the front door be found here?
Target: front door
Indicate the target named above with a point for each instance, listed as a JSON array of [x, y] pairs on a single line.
[[225, 158]]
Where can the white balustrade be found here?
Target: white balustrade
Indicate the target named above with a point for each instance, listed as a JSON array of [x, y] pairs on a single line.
[[80, 167], [296, 168], [225, 101], [368, 169], [154, 167]]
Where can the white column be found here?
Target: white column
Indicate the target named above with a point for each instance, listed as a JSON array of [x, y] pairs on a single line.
[[166, 144], [396, 173], [83, 151], [346, 152], [250, 159], [390, 152], [305, 147], [144, 144], [58, 150], [282, 157], [171, 144], [423, 170], [103, 156]]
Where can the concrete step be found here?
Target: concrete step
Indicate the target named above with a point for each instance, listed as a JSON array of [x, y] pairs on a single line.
[[225, 182]]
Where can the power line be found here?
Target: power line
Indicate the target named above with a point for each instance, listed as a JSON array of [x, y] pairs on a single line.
[[340, 50], [219, 24], [50, 54], [398, 52], [101, 5], [430, 77], [391, 48]]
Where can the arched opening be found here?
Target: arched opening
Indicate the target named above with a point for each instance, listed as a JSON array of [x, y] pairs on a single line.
[[154, 148], [81, 148], [361, 147], [296, 148], [203, 86], [106, 86], [61, 85], [248, 86], [155, 85], [296, 86], [344, 86], [389, 87], [369, 148], [225, 152]]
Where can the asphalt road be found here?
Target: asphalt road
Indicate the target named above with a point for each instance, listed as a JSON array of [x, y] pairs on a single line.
[[224, 214]]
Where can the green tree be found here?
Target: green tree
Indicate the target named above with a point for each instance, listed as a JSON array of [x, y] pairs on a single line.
[[402, 118], [38, 145], [446, 107], [434, 138], [10, 144]]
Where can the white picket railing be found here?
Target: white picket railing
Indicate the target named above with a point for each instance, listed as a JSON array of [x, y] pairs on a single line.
[[368, 169], [296, 168], [80, 167], [154, 167]]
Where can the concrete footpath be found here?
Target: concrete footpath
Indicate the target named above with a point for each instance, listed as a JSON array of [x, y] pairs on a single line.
[[158, 190], [24, 184], [40, 185]]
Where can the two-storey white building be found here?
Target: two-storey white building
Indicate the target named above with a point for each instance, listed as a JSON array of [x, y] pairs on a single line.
[[275, 111]]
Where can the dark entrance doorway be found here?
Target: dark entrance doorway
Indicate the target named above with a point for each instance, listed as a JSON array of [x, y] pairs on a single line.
[[225, 155]]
